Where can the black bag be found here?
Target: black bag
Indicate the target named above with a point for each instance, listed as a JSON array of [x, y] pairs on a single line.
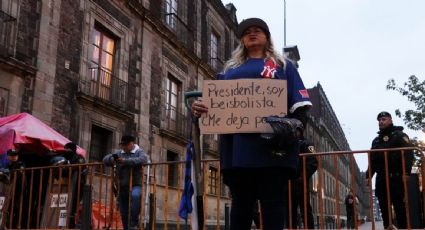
[[284, 133]]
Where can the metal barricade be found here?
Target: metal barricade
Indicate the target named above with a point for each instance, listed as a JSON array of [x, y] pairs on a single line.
[[52, 197]]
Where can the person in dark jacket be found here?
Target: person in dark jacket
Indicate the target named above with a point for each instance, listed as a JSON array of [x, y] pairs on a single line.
[[78, 178], [71, 154], [251, 167], [350, 207], [129, 161], [390, 136], [17, 180], [297, 191]]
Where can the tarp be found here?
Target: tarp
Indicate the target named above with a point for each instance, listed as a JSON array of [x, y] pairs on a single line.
[[28, 133], [102, 217]]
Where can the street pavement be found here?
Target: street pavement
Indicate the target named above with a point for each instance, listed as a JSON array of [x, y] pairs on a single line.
[[368, 225]]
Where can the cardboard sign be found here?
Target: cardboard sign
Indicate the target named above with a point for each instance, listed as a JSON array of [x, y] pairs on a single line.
[[62, 218], [2, 199], [56, 204], [62, 202], [240, 106]]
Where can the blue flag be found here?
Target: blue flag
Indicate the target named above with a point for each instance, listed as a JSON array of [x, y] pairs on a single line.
[[185, 206]]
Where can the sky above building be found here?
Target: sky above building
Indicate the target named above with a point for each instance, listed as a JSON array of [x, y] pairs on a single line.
[[352, 47]]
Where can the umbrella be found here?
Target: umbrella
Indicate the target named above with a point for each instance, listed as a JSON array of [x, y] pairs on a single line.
[[30, 134]]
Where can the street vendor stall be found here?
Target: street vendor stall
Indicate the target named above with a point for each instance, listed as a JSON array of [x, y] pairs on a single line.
[[38, 145], [28, 133]]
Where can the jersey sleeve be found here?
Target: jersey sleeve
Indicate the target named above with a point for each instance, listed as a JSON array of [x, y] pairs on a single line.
[[297, 93]]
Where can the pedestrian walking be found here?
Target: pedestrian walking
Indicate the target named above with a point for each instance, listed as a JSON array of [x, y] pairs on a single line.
[[350, 207]]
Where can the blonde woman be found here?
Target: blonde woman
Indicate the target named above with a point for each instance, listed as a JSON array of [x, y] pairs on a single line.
[[249, 167]]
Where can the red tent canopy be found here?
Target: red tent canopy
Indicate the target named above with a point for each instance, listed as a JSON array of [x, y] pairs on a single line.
[[26, 132]]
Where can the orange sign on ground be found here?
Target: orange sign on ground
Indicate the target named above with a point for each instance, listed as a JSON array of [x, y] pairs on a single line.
[[240, 106]]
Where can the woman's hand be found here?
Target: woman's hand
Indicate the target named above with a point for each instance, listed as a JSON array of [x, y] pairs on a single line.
[[198, 108]]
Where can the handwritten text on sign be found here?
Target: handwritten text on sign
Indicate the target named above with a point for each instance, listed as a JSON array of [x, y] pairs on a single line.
[[240, 106]]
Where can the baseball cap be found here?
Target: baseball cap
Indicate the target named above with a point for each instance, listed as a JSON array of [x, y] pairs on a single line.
[[383, 114], [12, 152], [246, 23], [71, 145], [127, 139]]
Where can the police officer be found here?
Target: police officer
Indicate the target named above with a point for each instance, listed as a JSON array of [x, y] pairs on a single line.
[[17, 179], [391, 136], [13, 160]]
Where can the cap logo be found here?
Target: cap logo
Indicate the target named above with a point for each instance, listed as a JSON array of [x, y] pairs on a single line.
[[269, 69]]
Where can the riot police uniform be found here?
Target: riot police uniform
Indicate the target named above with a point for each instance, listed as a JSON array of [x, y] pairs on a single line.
[[391, 137], [17, 181], [18, 165]]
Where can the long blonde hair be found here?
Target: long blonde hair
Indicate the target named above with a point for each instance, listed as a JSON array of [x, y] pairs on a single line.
[[240, 55]]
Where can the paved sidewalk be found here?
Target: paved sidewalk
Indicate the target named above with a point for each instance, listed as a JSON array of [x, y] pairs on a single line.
[[368, 225]]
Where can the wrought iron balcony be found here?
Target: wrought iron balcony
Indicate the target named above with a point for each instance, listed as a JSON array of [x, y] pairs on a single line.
[[16, 42], [175, 122], [7, 34], [216, 64], [178, 26], [210, 142], [101, 84]]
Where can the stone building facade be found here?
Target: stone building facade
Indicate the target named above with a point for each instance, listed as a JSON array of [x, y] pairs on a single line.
[[97, 69], [19, 32], [110, 67], [338, 174]]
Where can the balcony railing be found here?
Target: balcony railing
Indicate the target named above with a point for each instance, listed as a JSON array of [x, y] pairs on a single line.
[[210, 142], [175, 122], [101, 84], [7, 34], [178, 26], [216, 64]]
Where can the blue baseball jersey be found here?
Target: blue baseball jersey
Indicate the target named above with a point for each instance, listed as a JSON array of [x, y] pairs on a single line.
[[249, 150]]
